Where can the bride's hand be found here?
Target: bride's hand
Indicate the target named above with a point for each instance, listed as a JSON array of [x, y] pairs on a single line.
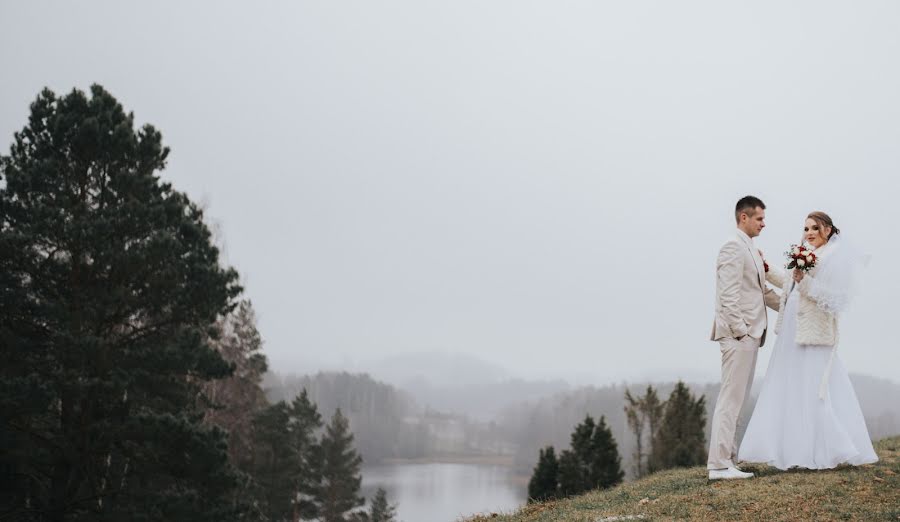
[[798, 275]]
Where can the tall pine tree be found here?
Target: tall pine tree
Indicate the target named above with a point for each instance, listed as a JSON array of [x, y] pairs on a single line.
[[304, 423], [544, 480], [287, 460], [572, 479], [338, 493], [605, 463], [276, 462], [574, 463], [110, 282], [680, 441]]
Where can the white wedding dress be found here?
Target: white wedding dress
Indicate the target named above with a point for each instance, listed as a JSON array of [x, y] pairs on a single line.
[[791, 426]]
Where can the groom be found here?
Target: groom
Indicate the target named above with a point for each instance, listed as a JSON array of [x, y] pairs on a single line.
[[740, 328]]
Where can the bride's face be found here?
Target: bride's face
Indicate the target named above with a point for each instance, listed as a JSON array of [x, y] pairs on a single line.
[[815, 235]]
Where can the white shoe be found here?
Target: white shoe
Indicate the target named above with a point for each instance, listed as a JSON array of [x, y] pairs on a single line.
[[729, 473]]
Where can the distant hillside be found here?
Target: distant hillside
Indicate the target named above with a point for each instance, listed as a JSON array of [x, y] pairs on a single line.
[[389, 423], [436, 369], [377, 411], [459, 384], [866, 493]]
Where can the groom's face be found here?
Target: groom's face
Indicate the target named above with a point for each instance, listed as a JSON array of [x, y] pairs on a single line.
[[753, 222]]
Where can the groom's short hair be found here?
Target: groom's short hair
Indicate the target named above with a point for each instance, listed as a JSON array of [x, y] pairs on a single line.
[[747, 205]]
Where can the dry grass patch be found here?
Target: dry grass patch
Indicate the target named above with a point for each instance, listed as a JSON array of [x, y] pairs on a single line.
[[867, 493]]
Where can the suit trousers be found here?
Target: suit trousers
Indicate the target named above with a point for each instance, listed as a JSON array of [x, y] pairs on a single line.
[[738, 367]]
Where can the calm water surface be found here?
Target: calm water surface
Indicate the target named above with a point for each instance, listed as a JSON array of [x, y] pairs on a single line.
[[440, 492]]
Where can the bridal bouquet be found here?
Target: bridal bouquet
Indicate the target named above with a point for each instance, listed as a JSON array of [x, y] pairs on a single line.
[[801, 258]]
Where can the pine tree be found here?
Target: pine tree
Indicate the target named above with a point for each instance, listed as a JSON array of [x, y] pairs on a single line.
[[287, 459], [544, 481], [380, 510], [338, 493], [276, 462], [110, 282], [605, 464], [574, 463], [571, 474], [581, 439], [305, 421], [680, 441], [592, 461]]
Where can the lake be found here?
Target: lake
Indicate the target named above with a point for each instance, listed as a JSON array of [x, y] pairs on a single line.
[[443, 492]]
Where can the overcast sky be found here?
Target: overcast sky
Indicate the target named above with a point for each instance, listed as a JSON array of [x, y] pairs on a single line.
[[543, 185]]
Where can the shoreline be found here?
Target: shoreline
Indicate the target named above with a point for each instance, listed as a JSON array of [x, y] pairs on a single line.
[[490, 460]]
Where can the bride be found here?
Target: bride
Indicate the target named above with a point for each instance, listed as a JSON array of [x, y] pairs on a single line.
[[807, 414]]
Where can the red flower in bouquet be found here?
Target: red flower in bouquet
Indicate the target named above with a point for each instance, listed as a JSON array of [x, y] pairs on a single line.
[[801, 258]]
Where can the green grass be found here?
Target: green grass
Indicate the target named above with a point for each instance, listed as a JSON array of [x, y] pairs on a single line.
[[870, 492]]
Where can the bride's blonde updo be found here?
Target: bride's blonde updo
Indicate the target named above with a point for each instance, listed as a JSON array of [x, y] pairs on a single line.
[[824, 221]]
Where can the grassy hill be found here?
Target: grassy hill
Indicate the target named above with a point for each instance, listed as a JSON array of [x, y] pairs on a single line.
[[869, 492]]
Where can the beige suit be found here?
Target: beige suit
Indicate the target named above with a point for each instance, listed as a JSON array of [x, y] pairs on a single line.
[[740, 327], [741, 291]]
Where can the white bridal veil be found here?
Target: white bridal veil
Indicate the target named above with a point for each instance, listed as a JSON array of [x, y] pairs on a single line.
[[837, 281]]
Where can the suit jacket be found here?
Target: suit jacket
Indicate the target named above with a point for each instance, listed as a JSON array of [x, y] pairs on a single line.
[[741, 291]]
